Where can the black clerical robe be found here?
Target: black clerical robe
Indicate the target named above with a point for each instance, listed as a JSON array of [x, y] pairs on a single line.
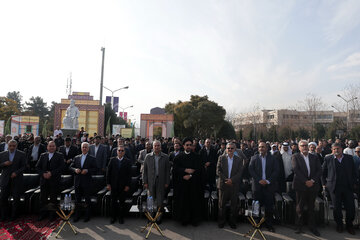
[[188, 194]]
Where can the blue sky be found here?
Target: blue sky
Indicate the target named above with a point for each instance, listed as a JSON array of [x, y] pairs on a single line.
[[239, 53]]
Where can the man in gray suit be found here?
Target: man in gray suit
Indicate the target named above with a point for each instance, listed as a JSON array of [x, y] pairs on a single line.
[[306, 182], [229, 170], [12, 165], [142, 155], [156, 175], [99, 151]]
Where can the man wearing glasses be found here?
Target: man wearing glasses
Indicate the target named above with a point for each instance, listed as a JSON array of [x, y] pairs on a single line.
[[264, 170], [306, 183], [118, 180], [339, 177], [229, 170]]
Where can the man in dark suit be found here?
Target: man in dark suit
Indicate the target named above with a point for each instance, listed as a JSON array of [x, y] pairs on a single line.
[[34, 152], [264, 170], [69, 152], [339, 177], [306, 183], [99, 151], [173, 154], [229, 170], [12, 165], [208, 156], [118, 180], [128, 153], [4, 145], [49, 167], [83, 166]]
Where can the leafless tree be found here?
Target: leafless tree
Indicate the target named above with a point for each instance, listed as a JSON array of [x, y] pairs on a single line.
[[312, 104]]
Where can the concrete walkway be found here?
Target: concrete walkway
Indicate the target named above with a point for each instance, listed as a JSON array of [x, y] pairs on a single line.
[[100, 228]]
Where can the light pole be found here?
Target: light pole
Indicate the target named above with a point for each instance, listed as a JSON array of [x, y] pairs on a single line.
[[112, 94], [123, 110], [347, 109]]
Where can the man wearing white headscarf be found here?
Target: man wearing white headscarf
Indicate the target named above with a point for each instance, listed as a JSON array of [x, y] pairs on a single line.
[[312, 147], [286, 173]]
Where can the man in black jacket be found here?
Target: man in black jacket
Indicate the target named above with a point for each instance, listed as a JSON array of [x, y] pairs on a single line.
[[83, 166], [118, 180], [34, 152], [49, 167], [264, 170], [339, 177], [208, 156], [306, 183], [69, 151], [12, 165]]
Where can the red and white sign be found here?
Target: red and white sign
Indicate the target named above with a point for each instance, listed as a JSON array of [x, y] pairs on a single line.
[[123, 117]]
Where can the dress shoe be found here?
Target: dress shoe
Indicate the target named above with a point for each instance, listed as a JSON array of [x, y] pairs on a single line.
[[271, 229], [113, 220], [221, 225], [232, 225], [339, 228], [121, 220], [315, 232], [299, 230], [350, 230], [86, 219]]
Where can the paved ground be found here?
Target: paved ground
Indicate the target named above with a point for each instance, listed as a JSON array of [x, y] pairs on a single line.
[[100, 228]]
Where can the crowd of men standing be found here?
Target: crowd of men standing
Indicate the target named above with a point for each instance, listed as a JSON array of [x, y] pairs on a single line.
[[190, 167]]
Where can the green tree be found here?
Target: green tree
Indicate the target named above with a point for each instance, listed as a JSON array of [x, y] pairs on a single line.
[[227, 131], [272, 134], [302, 133], [114, 119], [355, 133], [8, 107], [16, 96], [37, 107], [198, 117], [319, 131]]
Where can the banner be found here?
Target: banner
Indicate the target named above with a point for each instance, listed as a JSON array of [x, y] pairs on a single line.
[[123, 117], [2, 127], [115, 104], [116, 129], [126, 132]]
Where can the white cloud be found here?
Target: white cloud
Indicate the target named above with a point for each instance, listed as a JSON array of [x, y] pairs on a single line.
[[351, 61]]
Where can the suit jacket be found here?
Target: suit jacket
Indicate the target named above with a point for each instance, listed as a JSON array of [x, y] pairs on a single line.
[[2, 147], [18, 166], [101, 155], [222, 171], [89, 164], [73, 151], [118, 174], [209, 158], [57, 165], [329, 171], [271, 172], [41, 150], [149, 171], [301, 172]]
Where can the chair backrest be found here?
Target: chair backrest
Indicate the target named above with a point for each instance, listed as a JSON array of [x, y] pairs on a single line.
[[99, 182], [66, 181], [31, 180]]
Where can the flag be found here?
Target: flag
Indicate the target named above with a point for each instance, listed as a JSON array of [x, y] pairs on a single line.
[[108, 127], [7, 129], [44, 131]]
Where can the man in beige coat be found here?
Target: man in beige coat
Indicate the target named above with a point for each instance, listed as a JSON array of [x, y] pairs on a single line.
[[156, 175], [229, 170]]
